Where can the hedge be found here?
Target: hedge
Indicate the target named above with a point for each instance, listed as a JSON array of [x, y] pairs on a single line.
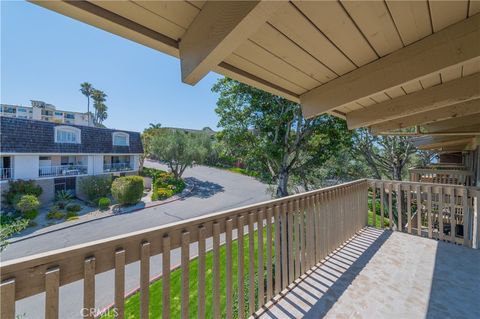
[[128, 190]]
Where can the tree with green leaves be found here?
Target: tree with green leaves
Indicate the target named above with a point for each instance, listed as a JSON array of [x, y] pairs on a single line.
[[87, 90], [387, 156], [178, 149], [270, 135]]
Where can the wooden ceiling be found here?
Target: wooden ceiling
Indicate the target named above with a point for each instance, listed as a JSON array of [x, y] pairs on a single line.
[[386, 65]]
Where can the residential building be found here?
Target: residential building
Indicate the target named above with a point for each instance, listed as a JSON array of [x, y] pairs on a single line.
[[40, 110], [57, 156]]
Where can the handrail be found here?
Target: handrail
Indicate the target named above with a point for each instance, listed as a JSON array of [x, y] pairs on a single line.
[[6, 173], [442, 211], [325, 217], [62, 170], [117, 167], [440, 174]]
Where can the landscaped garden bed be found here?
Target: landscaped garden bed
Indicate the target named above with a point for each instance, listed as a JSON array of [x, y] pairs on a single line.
[[164, 184]]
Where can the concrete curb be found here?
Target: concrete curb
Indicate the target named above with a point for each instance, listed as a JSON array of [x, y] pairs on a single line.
[[182, 195]]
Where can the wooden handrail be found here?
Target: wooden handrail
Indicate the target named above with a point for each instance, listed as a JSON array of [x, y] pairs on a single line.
[[441, 211], [443, 175], [312, 223]]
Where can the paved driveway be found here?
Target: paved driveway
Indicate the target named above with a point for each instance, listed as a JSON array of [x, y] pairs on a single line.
[[216, 190]]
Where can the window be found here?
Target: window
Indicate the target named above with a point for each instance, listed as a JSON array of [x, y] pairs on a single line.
[[58, 114], [120, 139], [67, 134]]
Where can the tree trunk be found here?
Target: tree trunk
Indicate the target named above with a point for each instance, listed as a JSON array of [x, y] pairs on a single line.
[[397, 173], [282, 190]]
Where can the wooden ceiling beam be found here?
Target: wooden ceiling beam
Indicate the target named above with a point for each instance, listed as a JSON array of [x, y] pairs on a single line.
[[434, 142], [111, 22], [461, 124], [451, 46], [219, 28], [453, 92], [450, 112]]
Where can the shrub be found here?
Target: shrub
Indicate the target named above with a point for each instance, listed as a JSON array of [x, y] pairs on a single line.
[[95, 187], [10, 225], [55, 214], [162, 193], [128, 189], [63, 195], [104, 203], [28, 205], [73, 208], [21, 187], [71, 214]]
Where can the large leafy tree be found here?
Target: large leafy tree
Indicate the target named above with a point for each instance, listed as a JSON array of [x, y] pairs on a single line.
[[269, 134], [178, 149], [387, 156], [87, 90]]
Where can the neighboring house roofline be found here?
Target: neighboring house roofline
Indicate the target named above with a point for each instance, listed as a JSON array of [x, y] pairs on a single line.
[[34, 136]]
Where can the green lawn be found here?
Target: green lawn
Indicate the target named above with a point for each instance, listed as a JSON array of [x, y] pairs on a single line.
[[377, 220], [132, 304]]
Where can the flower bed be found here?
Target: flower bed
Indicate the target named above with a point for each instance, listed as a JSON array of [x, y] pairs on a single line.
[[164, 184]]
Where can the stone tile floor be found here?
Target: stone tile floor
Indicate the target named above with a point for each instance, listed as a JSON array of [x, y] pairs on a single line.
[[384, 274]]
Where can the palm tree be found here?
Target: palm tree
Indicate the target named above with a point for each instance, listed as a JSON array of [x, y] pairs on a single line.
[[87, 90], [99, 97], [158, 125]]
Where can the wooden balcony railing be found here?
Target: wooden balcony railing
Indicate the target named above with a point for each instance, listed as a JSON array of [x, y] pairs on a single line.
[[440, 211], [455, 175], [299, 231]]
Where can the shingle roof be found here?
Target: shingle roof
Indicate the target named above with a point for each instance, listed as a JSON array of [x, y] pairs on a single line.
[[32, 136]]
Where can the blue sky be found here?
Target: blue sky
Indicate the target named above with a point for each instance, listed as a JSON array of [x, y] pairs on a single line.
[[45, 56]]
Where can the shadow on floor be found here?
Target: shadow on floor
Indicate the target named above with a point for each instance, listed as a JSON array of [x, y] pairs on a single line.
[[315, 295], [455, 290], [204, 189]]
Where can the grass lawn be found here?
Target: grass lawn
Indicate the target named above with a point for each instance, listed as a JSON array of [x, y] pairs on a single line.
[[377, 220], [132, 304]]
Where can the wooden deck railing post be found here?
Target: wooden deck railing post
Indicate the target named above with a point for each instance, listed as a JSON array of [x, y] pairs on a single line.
[[399, 207], [120, 283], [278, 251], [216, 270], [240, 265], [374, 205], [260, 260], [269, 254], [229, 270], [7, 301], [52, 283], [144, 280], [166, 277], [89, 288], [185, 260], [251, 264], [201, 272], [419, 210]]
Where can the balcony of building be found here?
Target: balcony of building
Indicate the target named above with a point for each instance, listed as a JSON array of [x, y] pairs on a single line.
[[317, 254], [120, 163], [53, 166], [6, 168]]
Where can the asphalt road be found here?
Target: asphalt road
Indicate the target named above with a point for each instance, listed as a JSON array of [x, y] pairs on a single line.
[[216, 190]]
